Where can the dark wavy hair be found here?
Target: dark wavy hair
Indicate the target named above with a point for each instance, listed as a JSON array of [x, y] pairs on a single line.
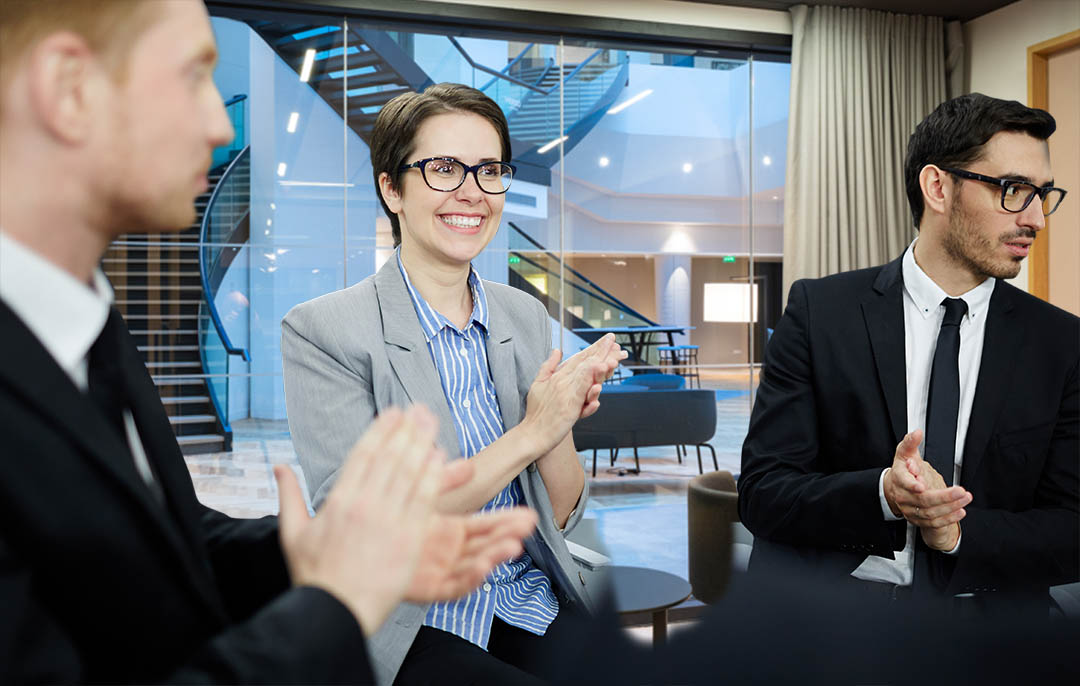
[[955, 133]]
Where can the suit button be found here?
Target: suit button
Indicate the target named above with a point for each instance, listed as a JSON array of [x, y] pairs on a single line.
[[531, 467]]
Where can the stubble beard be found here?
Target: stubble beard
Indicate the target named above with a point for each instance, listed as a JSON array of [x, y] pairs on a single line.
[[973, 251]]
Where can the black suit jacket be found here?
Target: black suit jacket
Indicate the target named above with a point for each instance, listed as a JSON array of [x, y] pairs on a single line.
[[831, 408], [99, 582]]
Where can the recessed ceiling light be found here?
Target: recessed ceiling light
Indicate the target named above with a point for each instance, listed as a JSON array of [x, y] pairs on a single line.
[[604, 161], [293, 119], [309, 62], [687, 168], [766, 160], [281, 169]]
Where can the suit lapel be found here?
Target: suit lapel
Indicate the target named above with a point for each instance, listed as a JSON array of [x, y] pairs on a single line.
[[883, 311], [500, 350], [1000, 343], [29, 369], [407, 350]]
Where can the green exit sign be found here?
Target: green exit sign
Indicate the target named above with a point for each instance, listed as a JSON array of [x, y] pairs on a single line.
[[514, 259], [729, 258]]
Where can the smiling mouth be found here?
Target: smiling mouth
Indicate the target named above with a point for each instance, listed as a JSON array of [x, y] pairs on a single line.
[[1019, 248], [462, 223]]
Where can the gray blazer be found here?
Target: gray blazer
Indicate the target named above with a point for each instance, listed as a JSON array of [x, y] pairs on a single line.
[[348, 355]]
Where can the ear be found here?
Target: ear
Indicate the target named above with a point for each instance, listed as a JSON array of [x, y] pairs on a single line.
[[937, 187], [391, 196], [65, 80]]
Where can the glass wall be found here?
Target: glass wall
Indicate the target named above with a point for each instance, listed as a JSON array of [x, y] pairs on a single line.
[[649, 196]]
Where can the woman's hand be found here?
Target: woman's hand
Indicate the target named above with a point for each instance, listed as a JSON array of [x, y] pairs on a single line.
[[562, 394]]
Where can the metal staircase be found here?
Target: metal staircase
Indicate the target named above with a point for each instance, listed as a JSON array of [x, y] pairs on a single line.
[[158, 290]]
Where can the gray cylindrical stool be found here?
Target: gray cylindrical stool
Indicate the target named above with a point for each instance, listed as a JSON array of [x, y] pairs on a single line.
[[712, 509]]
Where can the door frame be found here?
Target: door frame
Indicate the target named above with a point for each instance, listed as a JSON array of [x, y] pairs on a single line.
[[1038, 56]]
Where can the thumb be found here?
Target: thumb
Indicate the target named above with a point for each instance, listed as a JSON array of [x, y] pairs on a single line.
[[293, 515], [909, 447]]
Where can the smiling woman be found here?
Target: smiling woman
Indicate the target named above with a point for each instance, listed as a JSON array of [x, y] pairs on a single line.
[[427, 329]]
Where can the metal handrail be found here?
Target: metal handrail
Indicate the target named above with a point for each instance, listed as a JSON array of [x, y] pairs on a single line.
[[506, 69], [615, 301], [617, 306], [511, 79], [235, 99], [207, 295]]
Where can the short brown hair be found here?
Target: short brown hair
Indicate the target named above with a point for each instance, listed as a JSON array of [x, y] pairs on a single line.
[[108, 27], [394, 134]]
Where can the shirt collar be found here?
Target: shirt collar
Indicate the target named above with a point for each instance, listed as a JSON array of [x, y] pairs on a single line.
[[66, 315], [927, 295], [430, 320]]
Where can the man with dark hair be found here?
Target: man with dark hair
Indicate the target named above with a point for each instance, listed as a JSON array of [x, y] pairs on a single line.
[[110, 568], [837, 479]]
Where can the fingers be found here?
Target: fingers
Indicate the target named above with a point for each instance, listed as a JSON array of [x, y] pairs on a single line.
[[363, 454], [909, 445], [549, 366], [293, 514]]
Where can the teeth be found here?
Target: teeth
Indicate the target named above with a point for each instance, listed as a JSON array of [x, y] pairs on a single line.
[[464, 222]]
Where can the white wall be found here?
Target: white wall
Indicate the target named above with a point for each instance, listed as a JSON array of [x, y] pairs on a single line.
[[995, 50]]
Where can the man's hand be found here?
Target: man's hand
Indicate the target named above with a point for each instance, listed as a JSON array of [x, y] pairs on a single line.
[[378, 527], [915, 491], [562, 394], [461, 550]]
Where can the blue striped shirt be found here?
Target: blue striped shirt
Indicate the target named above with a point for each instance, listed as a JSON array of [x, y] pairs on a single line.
[[516, 591]]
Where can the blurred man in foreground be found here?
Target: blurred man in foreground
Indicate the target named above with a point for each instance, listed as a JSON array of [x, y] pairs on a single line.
[[110, 569]]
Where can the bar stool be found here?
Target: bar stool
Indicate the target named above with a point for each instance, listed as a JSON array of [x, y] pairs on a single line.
[[668, 357], [688, 364]]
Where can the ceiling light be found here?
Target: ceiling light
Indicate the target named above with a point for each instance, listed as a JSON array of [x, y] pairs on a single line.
[[637, 98], [687, 168], [309, 62], [604, 161], [281, 169], [293, 118], [551, 144], [318, 184], [766, 160]]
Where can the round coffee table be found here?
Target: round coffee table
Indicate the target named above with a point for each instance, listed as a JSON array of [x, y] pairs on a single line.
[[639, 589]]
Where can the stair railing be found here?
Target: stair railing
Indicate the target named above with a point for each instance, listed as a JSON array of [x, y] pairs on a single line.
[[604, 296], [225, 223]]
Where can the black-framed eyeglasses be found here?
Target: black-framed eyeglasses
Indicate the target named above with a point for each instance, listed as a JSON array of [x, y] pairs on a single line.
[[447, 174], [1017, 195]]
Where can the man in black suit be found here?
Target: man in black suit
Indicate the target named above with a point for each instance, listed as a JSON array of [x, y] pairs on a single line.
[[837, 480], [110, 569]]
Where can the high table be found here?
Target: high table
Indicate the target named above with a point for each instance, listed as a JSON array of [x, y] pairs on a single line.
[[638, 589], [639, 337]]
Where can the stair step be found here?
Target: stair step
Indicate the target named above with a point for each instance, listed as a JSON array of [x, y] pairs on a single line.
[[160, 286], [161, 316], [163, 332], [200, 438], [168, 348], [185, 400], [191, 381], [193, 419], [146, 260], [164, 365], [158, 302], [190, 275]]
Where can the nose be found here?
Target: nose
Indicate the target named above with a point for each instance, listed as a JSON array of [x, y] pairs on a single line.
[[469, 191], [220, 128], [1032, 216]]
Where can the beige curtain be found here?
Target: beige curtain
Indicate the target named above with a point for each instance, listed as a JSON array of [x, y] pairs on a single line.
[[860, 82]]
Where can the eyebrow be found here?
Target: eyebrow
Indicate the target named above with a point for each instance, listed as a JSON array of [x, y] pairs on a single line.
[[483, 160], [1013, 176], [207, 55]]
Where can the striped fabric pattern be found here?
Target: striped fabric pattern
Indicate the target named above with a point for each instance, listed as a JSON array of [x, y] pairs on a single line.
[[517, 592]]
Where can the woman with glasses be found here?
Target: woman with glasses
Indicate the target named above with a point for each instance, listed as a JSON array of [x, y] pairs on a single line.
[[426, 329]]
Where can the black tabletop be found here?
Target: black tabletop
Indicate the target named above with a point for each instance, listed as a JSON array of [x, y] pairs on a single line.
[[638, 589]]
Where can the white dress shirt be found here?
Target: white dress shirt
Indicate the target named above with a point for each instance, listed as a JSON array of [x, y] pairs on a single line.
[[65, 315], [923, 313]]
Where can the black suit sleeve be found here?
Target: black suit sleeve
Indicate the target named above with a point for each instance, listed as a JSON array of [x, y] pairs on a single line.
[[303, 636], [247, 561], [1038, 545], [787, 492]]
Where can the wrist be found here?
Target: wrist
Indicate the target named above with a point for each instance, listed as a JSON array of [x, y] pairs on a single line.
[[528, 437]]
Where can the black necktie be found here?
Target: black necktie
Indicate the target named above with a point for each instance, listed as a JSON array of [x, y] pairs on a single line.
[[943, 403], [942, 410], [109, 390]]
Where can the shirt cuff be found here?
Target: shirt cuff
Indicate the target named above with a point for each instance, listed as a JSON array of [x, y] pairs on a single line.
[[885, 509], [956, 547]]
